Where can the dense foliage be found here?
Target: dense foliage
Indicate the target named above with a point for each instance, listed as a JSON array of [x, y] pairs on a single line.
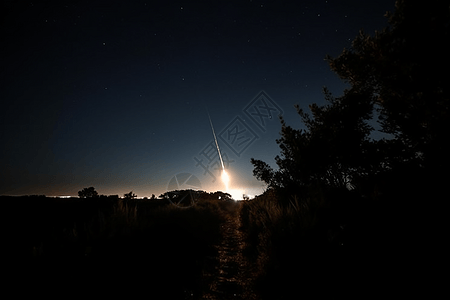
[[380, 199], [399, 78]]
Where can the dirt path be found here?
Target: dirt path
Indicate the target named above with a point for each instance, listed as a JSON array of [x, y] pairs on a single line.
[[228, 275]]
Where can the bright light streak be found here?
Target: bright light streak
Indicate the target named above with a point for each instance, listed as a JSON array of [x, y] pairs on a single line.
[[225, 179], [217, 144]]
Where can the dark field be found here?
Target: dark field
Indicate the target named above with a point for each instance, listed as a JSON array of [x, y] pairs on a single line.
[[258, 249], [107, 246]]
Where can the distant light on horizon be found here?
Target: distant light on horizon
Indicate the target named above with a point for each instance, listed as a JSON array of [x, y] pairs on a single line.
[[237, 194]]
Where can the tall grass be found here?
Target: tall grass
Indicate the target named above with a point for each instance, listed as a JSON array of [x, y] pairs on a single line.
[[289, 245], [144, 244]]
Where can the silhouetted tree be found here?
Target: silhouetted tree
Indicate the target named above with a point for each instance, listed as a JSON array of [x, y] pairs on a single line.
[[129, 195], [89, 192], [402, 74], [219, 195], [330, 152], [404, 69]]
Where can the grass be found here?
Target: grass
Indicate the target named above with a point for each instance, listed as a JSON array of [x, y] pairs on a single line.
[[114, 246], [291, 246], [338, 245], [111, 246]]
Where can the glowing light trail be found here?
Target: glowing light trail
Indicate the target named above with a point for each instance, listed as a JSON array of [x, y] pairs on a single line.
[[225, 177]]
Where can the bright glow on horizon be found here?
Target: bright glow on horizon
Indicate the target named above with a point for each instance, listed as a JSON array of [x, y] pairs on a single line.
[[237, 194]]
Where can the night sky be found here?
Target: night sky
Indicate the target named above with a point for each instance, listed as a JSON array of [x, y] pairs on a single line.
[[116, 94]]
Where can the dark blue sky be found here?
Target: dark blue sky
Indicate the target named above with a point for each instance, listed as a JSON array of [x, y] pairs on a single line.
[[116, 94]]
